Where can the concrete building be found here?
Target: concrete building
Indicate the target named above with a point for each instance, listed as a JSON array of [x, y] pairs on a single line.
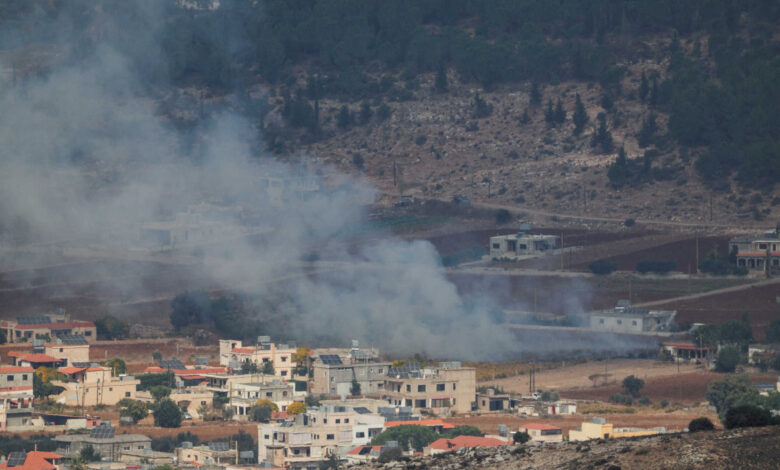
[[244, 396], [199, 224], [332, 376], [34, 360], [598, 428], [686, 352], [104, 440], [46, 327], [92, 386], [624, 319], [314, 435], [542, 432], [213, 453], [448, 388], [522, 244], [492, 401], [758, 253], [765, 353], [73, 349], [16, 399], [232, 353]]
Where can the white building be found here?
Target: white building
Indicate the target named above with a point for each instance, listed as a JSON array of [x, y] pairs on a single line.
[[625, 319], [522, 244]]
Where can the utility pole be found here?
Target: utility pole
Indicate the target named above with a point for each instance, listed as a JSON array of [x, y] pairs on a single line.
[[710, 208], [697, 251]]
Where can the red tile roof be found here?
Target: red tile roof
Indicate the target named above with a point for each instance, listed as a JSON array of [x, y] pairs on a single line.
[[57, 326], [539, 426], [15, 369], [359, 450], [36, 461], [36, 358], [466, 441], [423, 422], [71, 370], [243, 350]]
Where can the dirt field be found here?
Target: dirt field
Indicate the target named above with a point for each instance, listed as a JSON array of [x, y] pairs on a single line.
[[576, 376], [644, 418]]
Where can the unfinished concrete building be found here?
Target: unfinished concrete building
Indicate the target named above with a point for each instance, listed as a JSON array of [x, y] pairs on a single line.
[[626, 319], [521, 244], [758, 253]]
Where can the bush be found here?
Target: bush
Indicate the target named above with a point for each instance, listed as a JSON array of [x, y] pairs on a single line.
[[655, 266], [390, 455], [629, 222], [503, 216], [521, 437], [621, 399], [644, 401], [167, 415], [728, 359], [602, 267], [747, 416], [633, 385], [700, 424], [407, 435]]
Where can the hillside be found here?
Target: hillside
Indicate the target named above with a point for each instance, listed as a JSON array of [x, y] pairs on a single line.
[[747, 448]]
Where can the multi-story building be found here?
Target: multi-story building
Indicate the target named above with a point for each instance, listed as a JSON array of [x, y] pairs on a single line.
[[72, 349], [243, 396], [104, 441], [92, 386], [522, 244], [47, 327], [315, 435], [758, 253], [214, 453], [233, 354], [448, 388], [16, 398], [333, 376]]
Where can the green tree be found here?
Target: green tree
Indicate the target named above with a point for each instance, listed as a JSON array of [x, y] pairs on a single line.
[[157, 356], [366, 113], [633, 385], [331, 462], [160, 391], [647, 131], [344, 118], [440, 84], [463, 430], [549, 114], [135, 409], [503, 216], [728, 359], [249, 367], [110, 327], [618, 172], [602, 267], [407, 435], [260, 413], [559, 113], [580, 117], [745, 416], [117, 366], [268, 368], [737, 332], [355, 388], [602, 138], [706, 335], [534, 96], [644, 87], [521, 437], [167, 414], [730, 391], [89, 454], [480, 108]]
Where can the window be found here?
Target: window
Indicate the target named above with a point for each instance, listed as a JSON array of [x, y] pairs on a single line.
[[10, 378], [762, 246], [419, 403], [284, 373], [284, 394], [268, 394], [338, 420], [360, 434], [601, 321], [439, 387], [346, 420], [127, 447], [24, 377], [141, 447], [408, 388], [87, 333], [60, 349], [620, 322], [284, 358], [496, 246], [110, 389], [454, 386], [203, 402], [127, 394], [421, 388], [380, 371], [633, 322], [330, 437], [266, 437]]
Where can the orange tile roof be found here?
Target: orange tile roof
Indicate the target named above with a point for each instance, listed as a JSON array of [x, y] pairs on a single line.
[[243, 350], [36, 461], [57, 326], [357, 450], [539, 426], [422, 422], [466, 441], [71, 369], [211, 370], [15, 369], [36, 358]]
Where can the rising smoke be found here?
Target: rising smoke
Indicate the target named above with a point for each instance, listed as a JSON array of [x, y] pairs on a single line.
[[86, 159]]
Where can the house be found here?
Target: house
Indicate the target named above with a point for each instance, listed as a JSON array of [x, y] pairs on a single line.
[[598, 428], [213, 453], [244, 396], [448, 388], [758, 353], [232, 354], [189, 400], [492, 401], [436, 424], [34, 360], [686, 351], [198, 224], [448, 445], [757, 253], [314, 435], [16, 399], [333, 376], [70, 349], [33, 460], [522, 244], [47, 327], [362, 454], [104, 441], [625, 319], [542, 432], [92, 386]]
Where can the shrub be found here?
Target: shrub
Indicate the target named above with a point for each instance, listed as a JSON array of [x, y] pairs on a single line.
[[602, 267], [390, 455], [700, 424], [728, 359], [167, 415], [621, 399], [521, 437], [503, 216], [747, 416], [629, 222], [644, 401], [633, 385]]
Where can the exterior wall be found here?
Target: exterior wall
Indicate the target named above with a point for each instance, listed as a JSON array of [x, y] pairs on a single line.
[[444, 390], [244, 396], [202, 454], [488, 403], [589, 431], [337, 379], [70, 445], [540, 435], [70, 352], [98, 388], [191, 402], [282, 359], [621, 324], [26, 333], [512, 246]]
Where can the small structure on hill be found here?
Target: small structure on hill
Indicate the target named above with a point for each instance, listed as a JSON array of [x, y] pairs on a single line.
[[626, 319], [758, 253], [521, 244]]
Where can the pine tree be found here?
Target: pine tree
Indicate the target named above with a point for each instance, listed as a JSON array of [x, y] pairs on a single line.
[[525, 118], [653, 100], [535, 97], [648, 130], [644, 87], [602, 138], [549, 114], [618, 171], [441, 84], [580, 117]]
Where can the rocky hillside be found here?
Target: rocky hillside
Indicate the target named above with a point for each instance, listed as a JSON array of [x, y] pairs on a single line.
[[748, 448]]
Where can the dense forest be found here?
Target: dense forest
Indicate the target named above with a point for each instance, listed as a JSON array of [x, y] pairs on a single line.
[[721, 94]]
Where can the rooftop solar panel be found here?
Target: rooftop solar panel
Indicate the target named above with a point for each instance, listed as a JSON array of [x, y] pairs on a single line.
[[33, 320], [102, 432], [68, 338], [16, 459], [332, 359], [171, 364], [219, 446]]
